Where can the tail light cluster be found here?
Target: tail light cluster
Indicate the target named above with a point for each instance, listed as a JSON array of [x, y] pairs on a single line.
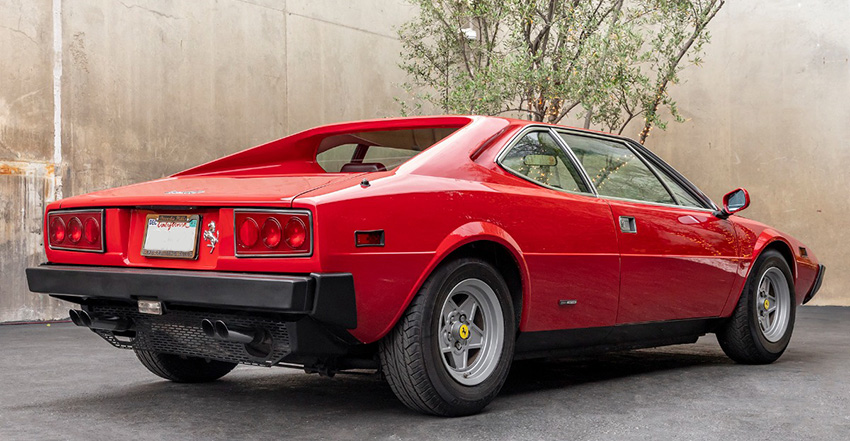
[[75, 230], [273, 233]]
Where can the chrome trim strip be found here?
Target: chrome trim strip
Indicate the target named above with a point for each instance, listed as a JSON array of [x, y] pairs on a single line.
[[543, 128], [650, 163], [674, 174], [79, 210], [576, 162], [660, 204], [677, 176], [283, 211]]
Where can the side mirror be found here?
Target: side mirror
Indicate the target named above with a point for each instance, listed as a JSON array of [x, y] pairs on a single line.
[[733, 202]]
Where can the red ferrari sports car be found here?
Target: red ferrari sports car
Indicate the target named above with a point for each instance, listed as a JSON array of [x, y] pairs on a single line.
[[435, 249]]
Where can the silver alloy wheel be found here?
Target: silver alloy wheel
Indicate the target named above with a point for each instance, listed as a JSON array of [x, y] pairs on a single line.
[[471, 332], [773, 304]]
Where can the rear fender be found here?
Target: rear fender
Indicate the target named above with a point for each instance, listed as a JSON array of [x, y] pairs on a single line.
[[465, 234]]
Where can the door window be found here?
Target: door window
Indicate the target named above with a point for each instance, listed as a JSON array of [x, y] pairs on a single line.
[[616, 171], [683, 196], [538, 157]]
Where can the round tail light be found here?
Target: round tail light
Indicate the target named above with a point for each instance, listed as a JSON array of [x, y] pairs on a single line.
[[295, 232], [75, 230], [249, 233], [92, 231], [271, 232], [57, 230]]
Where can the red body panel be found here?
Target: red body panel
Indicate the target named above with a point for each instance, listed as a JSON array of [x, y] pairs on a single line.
[[683, 263]]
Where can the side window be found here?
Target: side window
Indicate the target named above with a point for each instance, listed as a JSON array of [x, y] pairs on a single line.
[[538, 157], [684, 197], [616, 171]]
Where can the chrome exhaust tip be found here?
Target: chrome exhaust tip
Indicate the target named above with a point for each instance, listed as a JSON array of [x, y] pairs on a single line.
[[258, 342], [80, 317], [235, 335], [103, 323], [208, 328]]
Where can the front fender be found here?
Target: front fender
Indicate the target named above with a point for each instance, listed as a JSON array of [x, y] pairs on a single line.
[[752, 243]]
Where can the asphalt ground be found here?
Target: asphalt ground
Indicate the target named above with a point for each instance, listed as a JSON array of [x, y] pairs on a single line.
[[63, 382]]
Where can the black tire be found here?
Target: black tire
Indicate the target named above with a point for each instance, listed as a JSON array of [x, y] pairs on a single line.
[[183, 369], [411, 359], [741, 336]]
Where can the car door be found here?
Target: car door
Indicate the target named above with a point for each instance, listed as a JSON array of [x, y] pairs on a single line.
[[677, 260], [566, 233]]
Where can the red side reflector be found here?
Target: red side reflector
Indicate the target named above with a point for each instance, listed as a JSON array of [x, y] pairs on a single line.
[[374, 238]]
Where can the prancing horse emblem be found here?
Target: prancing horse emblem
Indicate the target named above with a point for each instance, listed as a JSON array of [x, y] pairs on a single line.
[[211, 235]]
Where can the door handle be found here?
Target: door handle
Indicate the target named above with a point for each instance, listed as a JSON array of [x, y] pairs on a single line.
[[628, 224]]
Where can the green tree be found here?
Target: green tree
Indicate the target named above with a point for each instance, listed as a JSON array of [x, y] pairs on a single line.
[[606, 61]]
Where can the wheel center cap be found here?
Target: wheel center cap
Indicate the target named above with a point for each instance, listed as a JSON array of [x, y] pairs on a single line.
[[766, 304], [460, 331]]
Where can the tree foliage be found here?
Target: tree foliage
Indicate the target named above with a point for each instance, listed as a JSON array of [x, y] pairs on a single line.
[[605, 61]]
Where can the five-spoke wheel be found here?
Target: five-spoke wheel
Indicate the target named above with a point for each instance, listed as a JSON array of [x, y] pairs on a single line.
[[760, 327], [471, 332], [773, 304], [450, 353]]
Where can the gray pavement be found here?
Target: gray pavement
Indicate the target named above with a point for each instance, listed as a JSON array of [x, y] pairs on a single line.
[[63, 382]]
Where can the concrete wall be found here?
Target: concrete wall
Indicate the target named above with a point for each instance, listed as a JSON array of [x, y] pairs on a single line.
[[27, 172], [770, 111], [151, 87]]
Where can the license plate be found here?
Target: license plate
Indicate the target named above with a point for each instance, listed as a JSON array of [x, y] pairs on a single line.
[[172, 236]]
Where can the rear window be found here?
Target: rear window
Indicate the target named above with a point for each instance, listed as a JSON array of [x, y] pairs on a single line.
[[375, 151]]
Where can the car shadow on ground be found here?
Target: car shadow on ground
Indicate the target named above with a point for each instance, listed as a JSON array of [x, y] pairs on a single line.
[[255, 395], [542, 374]]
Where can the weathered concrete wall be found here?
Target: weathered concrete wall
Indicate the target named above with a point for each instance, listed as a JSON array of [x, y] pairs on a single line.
[[26, 151], [769, 111], [152, 87]]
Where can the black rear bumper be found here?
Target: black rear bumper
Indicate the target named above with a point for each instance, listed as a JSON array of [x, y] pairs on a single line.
[[816, 285], [298, 319], [327, 298]]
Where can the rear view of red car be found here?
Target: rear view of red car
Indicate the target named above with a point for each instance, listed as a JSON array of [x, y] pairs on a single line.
[[436, 249]]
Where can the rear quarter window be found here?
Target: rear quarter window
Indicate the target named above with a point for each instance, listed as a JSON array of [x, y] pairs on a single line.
[[386, 149]]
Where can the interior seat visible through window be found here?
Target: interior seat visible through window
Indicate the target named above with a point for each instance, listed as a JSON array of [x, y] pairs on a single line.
[[361, 167]]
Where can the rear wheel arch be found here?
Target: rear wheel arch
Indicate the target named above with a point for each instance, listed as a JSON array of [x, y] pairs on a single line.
[[502, 259], [476, 239]]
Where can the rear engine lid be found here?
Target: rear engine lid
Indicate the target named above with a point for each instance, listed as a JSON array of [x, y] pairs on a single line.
[[209, 191]]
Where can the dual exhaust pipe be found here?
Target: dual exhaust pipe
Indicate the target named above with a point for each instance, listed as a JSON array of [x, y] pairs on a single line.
[[258, 342], [103, 323]]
